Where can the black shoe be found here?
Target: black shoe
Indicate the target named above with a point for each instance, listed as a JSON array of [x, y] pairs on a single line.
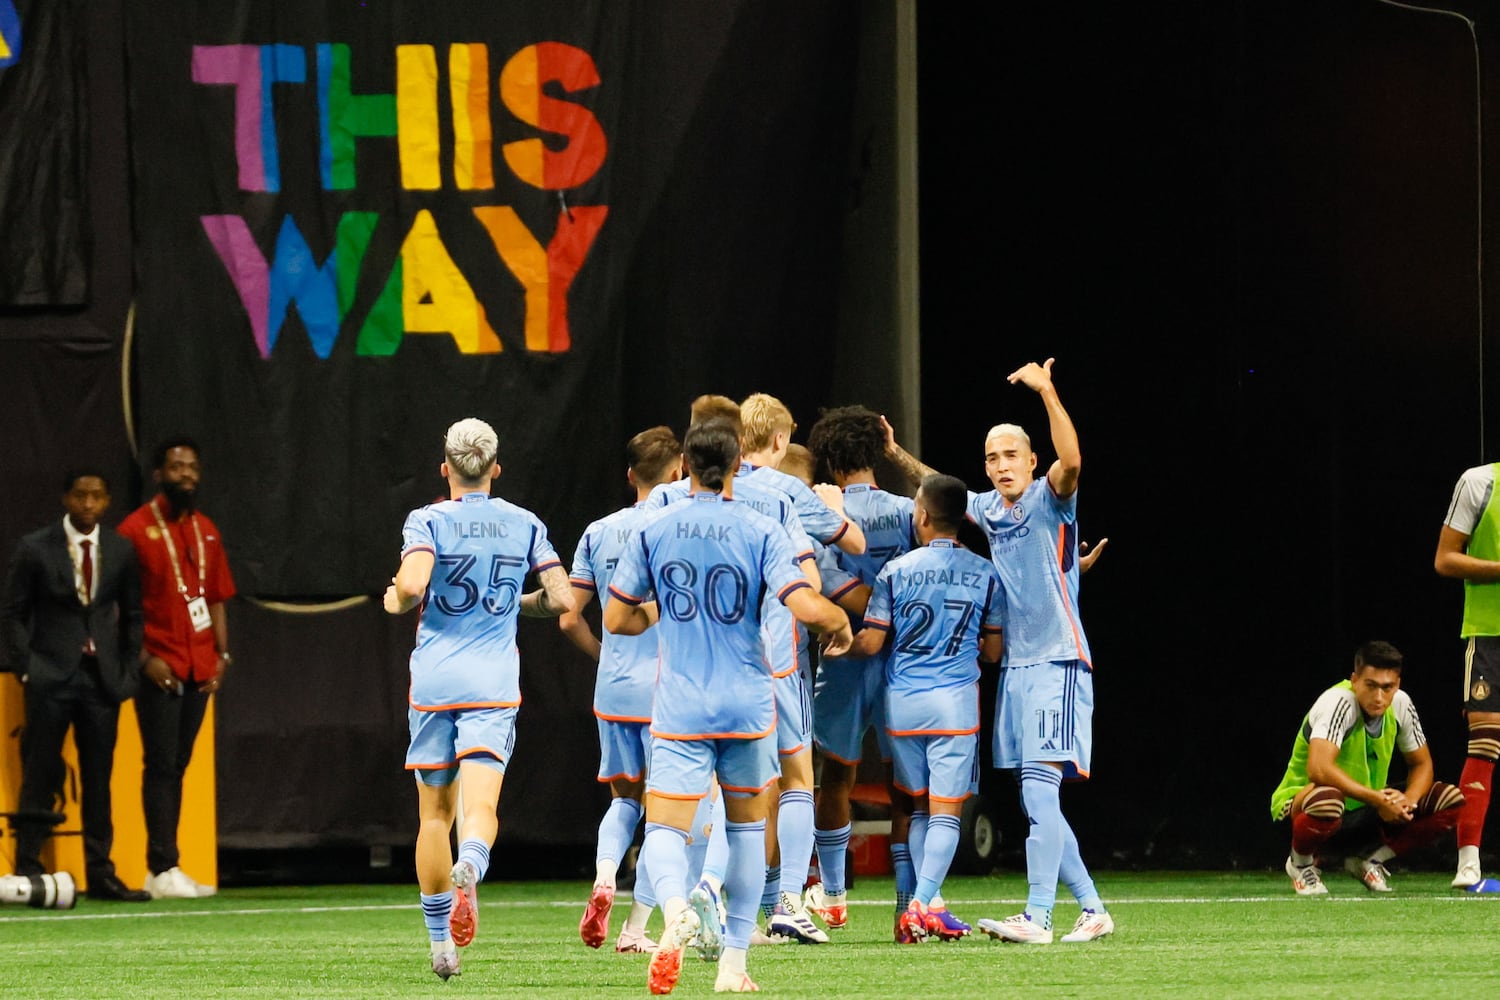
[[110, 887]]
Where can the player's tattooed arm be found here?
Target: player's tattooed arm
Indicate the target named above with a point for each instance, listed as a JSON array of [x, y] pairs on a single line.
[[553, 598], [902, 459]]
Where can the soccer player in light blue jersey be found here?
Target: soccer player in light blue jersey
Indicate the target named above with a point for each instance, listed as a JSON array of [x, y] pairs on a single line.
[[849, 696], [1044, 710], [465, 560], [705, 561], [622, 689], [941, 607]]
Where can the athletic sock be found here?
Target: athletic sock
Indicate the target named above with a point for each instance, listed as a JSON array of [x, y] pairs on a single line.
[[645, 889], [906, 876], [716, 859], [937, 855], [616, 833], [477, 853], [1074, 874], [640, 912], [435, 911], [699, 836], [1044, 845], [833, 855], [1474, 782], [770, 890], [794, 833], [916, 839], [747, 865], [665, 853]]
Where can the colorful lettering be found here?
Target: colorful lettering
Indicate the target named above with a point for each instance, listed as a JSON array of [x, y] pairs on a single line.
[[10, 34], [345, 116], [435, 296], [416, 117], [546, 275], [521, 83], [469, 92]]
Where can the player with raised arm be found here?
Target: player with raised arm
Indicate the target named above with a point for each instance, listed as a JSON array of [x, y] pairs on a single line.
[[1044, 709], [942, 607], [1337, 781], [465, 560], [622, 689], [705, 560]]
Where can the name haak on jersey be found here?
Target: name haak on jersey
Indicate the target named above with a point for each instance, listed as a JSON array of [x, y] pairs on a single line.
[[713, 532]]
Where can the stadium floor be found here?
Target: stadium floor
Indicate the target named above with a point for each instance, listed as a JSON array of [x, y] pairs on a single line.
[[1179, 934]]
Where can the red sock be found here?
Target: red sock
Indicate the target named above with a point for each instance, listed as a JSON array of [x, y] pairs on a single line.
[[1475, 784], [1310, 832]]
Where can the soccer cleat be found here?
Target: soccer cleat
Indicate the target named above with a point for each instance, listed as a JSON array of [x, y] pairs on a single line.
[[1020, 929], [1484, 885], [709, 941], [464, 920], [791, 922], [1089, 926], [445, 963], [911, 926], [722, 915], [666, 963], [1306, 879], [1371, 873], [832, 909], [633, 942], [1467, 875], [594, 927], [944, 926], [760, 937], [735, 982]]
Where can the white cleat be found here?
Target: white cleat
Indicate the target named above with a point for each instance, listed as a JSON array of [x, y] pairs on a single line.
[[1467, 875], [1090, 926], [708, 941], [792, 922], [633, 942], [1020, 929], [735, 982], [1307, 880], [1371, 873]]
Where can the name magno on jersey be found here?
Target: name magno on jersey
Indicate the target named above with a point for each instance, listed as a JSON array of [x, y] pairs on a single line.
[[935, 601], [484, 546], [627, 663], [708, 562], [1034, 545], [886, 519]]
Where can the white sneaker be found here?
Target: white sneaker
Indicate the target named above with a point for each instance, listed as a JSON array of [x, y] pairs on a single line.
[[1371, 873], [792, 922], [1089, 926], [1468, 875], [1307, 880], [1020, 928], [174, 883], [707, 940]]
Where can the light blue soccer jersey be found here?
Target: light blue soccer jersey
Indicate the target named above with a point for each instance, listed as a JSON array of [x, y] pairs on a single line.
[[1034, 545], [627, 663], [820, 521], [707, 562], [935, 601], [886, 520], [465, 655]]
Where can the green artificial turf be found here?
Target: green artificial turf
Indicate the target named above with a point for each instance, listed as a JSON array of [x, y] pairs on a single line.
[[1180, 934]]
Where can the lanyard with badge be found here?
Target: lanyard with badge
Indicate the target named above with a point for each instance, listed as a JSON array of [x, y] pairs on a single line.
[[197, 606]]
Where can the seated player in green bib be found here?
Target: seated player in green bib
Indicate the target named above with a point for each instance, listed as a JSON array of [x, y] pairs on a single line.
[[1338, 777]]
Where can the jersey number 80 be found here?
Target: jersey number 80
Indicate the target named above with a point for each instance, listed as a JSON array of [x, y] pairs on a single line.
[[723, 596]]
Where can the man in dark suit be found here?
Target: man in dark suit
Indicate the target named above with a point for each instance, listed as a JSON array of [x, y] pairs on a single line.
[[72, 628]]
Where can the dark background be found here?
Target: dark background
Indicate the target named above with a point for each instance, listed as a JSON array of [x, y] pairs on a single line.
[[1248, 233]]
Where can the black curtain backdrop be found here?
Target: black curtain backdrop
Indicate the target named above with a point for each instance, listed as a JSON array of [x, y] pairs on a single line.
[[1247, 232]]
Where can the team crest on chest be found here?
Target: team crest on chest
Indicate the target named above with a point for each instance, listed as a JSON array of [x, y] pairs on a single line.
[[1017, 514]]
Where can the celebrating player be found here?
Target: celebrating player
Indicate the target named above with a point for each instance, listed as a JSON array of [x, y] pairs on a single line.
[[1335, 782], [942, 606], [465, 675], [705, 560], [622, 689]]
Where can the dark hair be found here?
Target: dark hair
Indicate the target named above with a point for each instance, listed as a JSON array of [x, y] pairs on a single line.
[[651, 453], [946, 500], [1377, 654], [712, 450], [71, 477], [710, 407], [847, 439], [159, 457]]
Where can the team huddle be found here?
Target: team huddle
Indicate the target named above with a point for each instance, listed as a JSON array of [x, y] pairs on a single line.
[[708, 697]]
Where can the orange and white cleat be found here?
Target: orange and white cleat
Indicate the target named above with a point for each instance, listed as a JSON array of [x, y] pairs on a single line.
[[666, 962], [464, 920], [832, 909], [594, 927], [911, 926]]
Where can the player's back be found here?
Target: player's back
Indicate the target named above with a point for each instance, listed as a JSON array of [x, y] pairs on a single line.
[[627, 663], [709, 561], [936, 601], [483, 549], [886, 519], [819, 520], [1034, 546]]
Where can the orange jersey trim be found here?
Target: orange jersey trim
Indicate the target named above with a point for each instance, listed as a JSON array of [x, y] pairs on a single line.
[[932, 732], [717, 736], [1062, 586], [945, 798], [460, 706], [676, 797], [748, 791], [622, 776], [619, 718]]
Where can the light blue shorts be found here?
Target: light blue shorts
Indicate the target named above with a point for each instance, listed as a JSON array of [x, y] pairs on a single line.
[[849, 698], [439, 740], [624, 749], [1045, 712], [793, 714], [684, 769], [940, 767]]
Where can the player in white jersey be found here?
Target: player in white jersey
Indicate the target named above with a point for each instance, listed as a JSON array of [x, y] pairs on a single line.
[[705, 561], [941, 607], [622, 689], [465, 560], [1032, 527]]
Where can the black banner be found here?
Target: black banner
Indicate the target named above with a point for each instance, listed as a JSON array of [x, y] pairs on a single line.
[[43, 175]]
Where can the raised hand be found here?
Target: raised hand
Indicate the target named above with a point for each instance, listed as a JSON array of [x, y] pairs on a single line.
[[1032, 375]]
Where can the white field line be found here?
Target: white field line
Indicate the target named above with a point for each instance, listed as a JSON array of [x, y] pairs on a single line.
[[1114, 903]]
